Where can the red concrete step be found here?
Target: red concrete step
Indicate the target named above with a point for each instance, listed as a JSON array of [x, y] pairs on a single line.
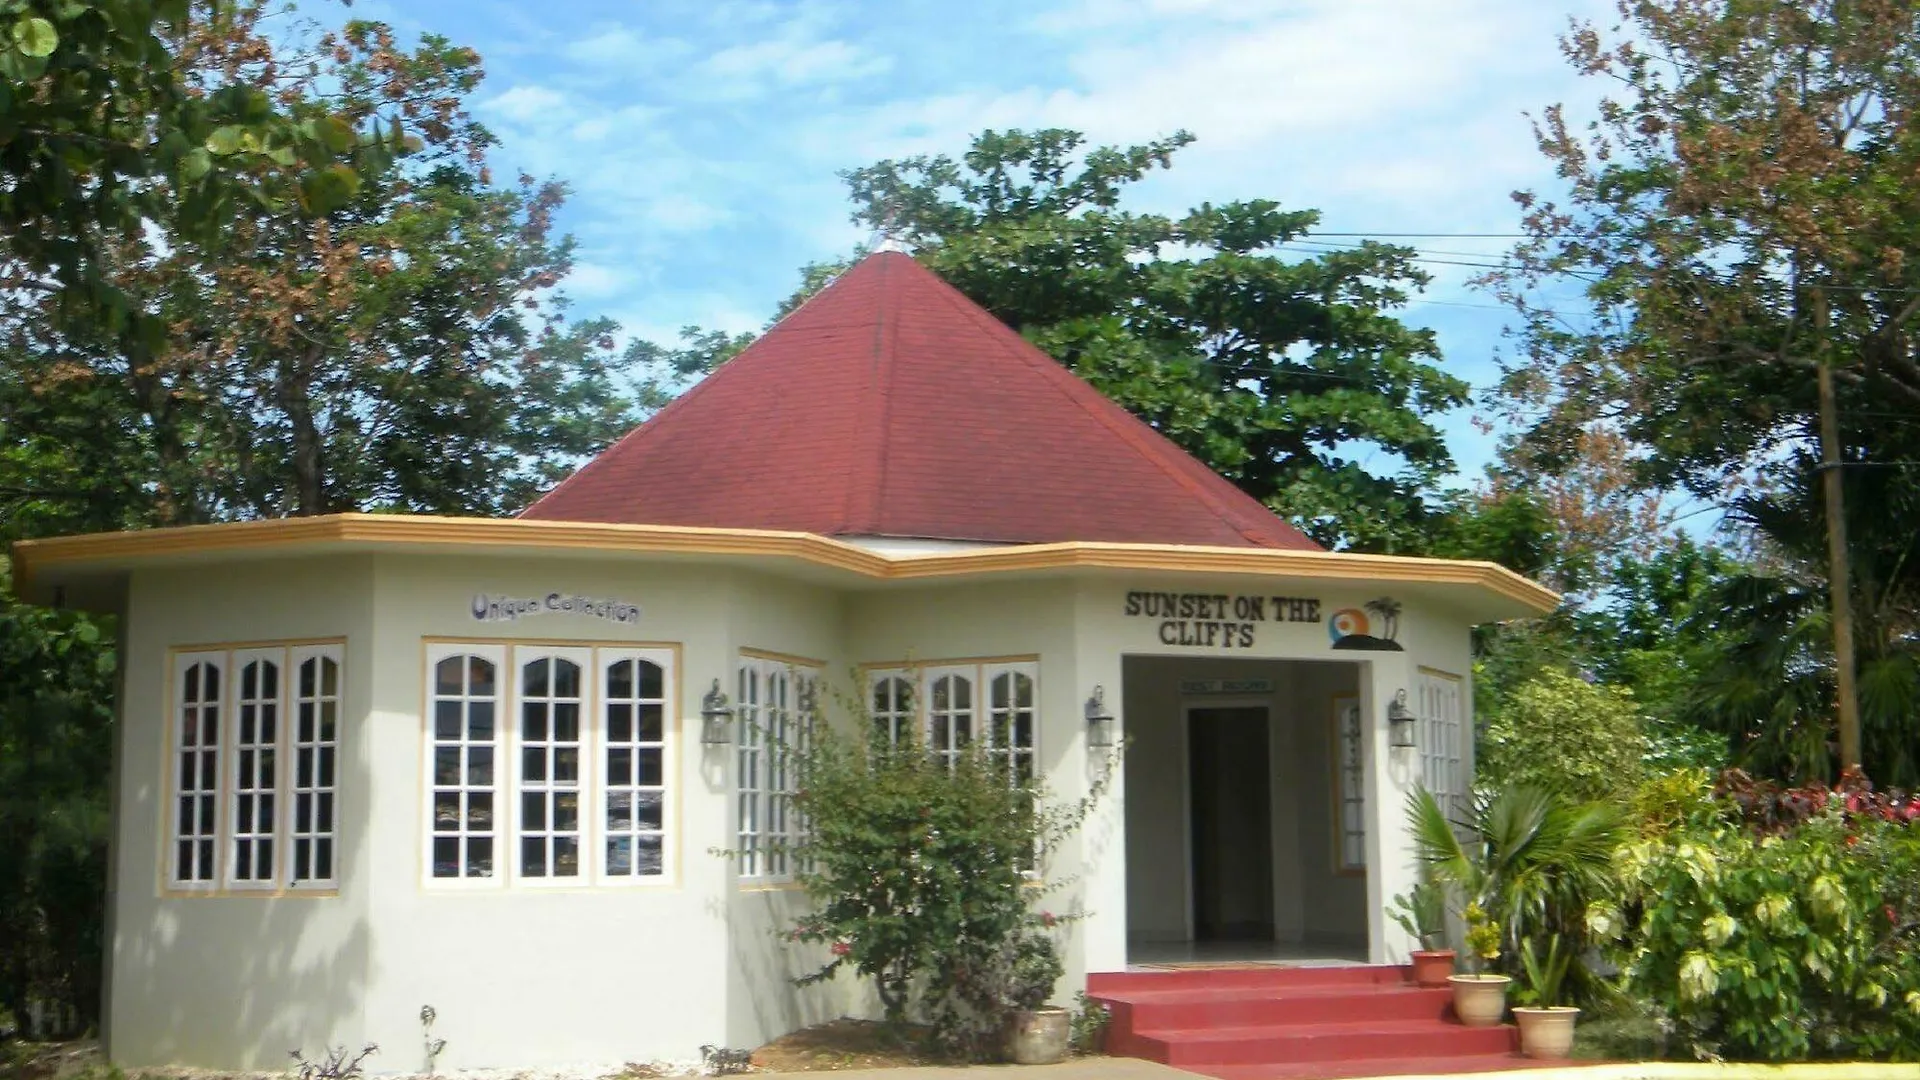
[[1339, 1070], [1320, 1042], [1241, 1006], [1099, 983]]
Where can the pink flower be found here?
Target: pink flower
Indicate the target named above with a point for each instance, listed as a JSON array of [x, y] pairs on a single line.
[[1047, 919], [841, 948]]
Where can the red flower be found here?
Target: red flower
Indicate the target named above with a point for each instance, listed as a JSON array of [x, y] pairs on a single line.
[[841, 948], [1852, 840], [1892, 917], [1047, 919]]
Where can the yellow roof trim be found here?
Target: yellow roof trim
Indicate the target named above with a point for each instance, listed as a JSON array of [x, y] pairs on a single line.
[[35, 556]]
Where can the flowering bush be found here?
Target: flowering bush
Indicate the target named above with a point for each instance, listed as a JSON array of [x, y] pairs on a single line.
[[1781, 942], [1770, 807]]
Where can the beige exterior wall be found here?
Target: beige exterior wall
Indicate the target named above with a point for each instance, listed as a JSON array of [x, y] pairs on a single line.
[[539, 975], [233, 980]]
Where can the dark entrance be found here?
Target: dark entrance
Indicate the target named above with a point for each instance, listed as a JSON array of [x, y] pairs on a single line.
[[1230, 778]]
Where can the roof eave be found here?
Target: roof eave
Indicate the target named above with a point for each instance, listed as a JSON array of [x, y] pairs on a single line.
[[38, 562]]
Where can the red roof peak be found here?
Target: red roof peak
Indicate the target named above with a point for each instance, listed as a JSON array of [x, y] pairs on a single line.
[[889, 404]]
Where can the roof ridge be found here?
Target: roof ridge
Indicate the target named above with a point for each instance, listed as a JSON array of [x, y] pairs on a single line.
[[860, 507], [1101, 408]]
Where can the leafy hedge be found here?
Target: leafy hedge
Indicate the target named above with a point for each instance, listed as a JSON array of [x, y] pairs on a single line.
[[1763, 925]]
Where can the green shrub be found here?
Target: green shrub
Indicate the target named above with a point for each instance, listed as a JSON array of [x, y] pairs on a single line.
[[922, 874], [1774, 948], [1528, 860], [1560, 733]]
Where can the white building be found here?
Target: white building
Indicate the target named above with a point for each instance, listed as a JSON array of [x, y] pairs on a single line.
[[368, 763]]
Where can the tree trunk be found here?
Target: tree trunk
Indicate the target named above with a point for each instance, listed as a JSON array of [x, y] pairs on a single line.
[[309, 479], [1839, 587]]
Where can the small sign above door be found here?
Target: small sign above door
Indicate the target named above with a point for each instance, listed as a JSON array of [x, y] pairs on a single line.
[[1226, 686]]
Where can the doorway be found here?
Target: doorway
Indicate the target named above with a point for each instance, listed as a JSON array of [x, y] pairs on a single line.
[[1230, 830]]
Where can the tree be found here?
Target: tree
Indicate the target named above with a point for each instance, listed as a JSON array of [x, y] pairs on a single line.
[[94, 115], [1739, 220], [1563, 734], [396, 345], [1283, 375], [56, 679]]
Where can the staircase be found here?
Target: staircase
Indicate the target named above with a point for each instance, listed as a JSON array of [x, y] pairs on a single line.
[[1278, 1023]]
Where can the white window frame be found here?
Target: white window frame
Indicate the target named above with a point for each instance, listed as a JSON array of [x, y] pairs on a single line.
[[189, 725], [323, 786], [264, 708], [1442, 735], [499, 829], [272, 827], [979, 676], [776, 714], [593, 786], [602, 803], [899, 707], [1347, 756], [552, 790]]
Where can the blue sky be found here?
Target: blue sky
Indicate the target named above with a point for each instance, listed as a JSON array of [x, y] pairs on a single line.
[[701, 140]]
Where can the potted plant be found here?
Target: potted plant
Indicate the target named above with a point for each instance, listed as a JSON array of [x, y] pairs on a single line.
[[1423, 914], [1480, 999], [1037, 1033], [1546, 1027]]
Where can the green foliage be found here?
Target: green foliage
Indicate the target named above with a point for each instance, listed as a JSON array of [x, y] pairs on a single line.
[[398, 344], [56, 680], [1545, 974], [1529, 861], [1291, 378], [1089, 1023], [1562, 733], [1774, 948], [1483, 937], [920, 873], [1422, 912], [100, 132]]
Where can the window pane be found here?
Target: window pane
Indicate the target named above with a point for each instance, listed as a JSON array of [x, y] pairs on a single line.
[[464, 731]]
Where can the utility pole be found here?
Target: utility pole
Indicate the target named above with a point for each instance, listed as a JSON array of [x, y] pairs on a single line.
[[1839, 587]]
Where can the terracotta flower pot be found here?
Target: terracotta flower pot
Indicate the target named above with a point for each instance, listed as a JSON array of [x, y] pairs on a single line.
[[1546, 1033], [1038, 1036], [1479, 1000], [1432, 966]]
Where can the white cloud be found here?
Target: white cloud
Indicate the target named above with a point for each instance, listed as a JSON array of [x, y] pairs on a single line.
[[625, 48], [525, 103]]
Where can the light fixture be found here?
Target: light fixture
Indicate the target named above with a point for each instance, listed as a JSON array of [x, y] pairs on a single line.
[[1400, 723], [1099, 719], [716, 717]]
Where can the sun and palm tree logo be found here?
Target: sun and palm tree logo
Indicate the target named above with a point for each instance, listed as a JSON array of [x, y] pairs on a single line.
[[1354, 628]]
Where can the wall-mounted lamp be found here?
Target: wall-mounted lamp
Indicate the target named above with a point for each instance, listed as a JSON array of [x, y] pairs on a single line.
[[716, 717], [1400, 723], [1099, 719]]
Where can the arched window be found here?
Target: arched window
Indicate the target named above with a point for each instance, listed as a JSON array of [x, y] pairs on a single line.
[[1010, 719], [950, 712], [893, 707], [252, 768], [196, 729], [256, 778], [551, 699], [635, 800], [316, 751], [466, 698]]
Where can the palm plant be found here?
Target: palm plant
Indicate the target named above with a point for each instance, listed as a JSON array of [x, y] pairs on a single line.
[[1531, 858]]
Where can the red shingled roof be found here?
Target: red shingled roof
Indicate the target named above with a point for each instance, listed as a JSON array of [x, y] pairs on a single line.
[[891, 405]]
